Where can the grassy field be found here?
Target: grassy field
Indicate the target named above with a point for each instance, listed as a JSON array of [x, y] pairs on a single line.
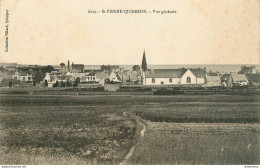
[[217, 112], [65, 134], [193, 143], [93, 129]]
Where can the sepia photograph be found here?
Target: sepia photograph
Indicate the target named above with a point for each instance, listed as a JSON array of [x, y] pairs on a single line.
[[140, 82]]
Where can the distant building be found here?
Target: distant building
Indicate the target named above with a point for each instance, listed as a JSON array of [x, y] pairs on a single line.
[[237, 79], [224, 79], [254, 79], [212, 80], [247, 70], [108, 67], [91, 77], [77, 68], [101, 77], [9, 65], [115, 76]]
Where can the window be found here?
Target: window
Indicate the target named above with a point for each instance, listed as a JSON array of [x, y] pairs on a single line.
[[23, 78], [29, 78], [93, 78], [153, 80], [15, 77], [188, 80], [170, 80], [162, 82]]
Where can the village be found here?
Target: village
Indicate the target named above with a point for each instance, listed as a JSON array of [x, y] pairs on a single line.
[[75, 75]]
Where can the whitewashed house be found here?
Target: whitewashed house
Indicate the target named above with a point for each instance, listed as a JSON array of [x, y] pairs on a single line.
[[91, 77], [173, 76], [23, 76]]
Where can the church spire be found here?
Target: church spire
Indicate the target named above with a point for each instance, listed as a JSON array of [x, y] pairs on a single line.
[[144, 63]]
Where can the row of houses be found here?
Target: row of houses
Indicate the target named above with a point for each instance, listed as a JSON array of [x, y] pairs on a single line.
[[181, 76]]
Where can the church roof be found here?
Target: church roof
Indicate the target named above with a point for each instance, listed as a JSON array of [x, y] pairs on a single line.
[[174, 73], [165, 73]]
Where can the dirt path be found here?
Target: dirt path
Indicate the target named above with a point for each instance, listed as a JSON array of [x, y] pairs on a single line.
[[142, 132]]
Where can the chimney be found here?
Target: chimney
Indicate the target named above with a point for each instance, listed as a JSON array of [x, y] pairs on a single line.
[[68, 65]]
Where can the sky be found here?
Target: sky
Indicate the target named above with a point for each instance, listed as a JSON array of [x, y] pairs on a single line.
[[200, 32]]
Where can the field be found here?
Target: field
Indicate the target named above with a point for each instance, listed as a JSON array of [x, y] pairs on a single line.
[[101, 129], [193, 144]]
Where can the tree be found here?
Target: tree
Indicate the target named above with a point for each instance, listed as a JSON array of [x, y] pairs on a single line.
[[10, 83], [39, 76], [68, 84], [62, 64], [48, 69], [56, 84], [34, 83], [62, 84], [77, 81]]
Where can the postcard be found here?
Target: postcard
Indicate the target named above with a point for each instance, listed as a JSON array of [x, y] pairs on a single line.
[[119, 82]]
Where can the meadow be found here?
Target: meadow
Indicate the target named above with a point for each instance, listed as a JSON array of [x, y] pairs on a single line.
[[196, 143], [101, 129], [64, 134]]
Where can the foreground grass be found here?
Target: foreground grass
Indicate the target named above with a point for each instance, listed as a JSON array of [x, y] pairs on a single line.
[[179, 143], [64, 135], [53, 129]]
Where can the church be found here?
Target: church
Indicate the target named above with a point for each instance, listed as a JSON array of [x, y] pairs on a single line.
[[172, 76]]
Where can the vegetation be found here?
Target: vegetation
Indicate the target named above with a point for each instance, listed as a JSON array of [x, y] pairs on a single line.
[[45, 134], [189, 144], [99, 129], [221, 112]]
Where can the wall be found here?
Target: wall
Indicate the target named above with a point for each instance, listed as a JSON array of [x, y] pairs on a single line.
[[148, 81], [26, 78], [188, 73], [200, 80]]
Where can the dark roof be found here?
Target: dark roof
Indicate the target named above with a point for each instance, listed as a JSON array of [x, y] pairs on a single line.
[[253, 77], [213, 74], [165, 73], [213, 78], [198, 72], [239, 77], [78, 66], [10, 73], [245, 70], [102, 75], [24, 73], [91, 74]]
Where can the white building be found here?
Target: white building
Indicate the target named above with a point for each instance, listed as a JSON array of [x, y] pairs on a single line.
[[174, 76], [23, 76]]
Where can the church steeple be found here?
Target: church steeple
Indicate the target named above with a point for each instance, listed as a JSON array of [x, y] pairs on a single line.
[[144, 63]]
